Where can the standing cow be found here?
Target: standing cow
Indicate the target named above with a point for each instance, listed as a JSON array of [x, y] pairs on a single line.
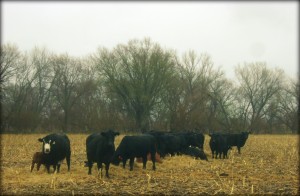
[[219, 145], [135, 146], [100, 148], [56, 147], [213, 145], [216, 144], [237, 139], [222, 146]]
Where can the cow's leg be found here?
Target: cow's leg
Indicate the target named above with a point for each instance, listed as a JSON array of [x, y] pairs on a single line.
[[58, 167], [239, 149], [106, 169], [48, 168], [99, 165], [90, 165], [219, 153], [226, 153], [124, 162], [131, 163], [38, 166], [32, 166], [153, 160], [54, 167], [68, 158], [144, 161]]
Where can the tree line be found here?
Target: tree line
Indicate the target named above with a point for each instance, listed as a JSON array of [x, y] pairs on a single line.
[[140, 86]]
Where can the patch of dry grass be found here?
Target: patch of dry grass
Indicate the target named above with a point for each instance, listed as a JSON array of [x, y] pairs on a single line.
[[269, 164]]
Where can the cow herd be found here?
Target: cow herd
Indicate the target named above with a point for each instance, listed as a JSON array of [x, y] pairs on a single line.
[[152, 145]]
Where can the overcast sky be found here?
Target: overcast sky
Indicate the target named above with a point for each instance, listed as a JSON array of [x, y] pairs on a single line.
[[230, 32]]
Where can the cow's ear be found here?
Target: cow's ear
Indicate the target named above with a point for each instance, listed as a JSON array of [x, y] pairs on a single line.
[[40, 140]]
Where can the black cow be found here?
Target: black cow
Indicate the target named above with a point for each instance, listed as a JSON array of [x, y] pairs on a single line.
[[193, 139], [199, 140], [88, 139], [56, 147], [100, 148], [135, 146], [219, 145], [237, 139], [195, 152], [222, 146], [213, 142], [172, 144]]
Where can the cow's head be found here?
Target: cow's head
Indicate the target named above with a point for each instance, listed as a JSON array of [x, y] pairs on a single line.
[[47, 144], [110, 136], [116, 159]]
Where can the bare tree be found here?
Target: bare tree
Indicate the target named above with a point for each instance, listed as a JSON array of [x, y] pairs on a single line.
[[137, 73], [44, 78], [289, 105], [69, 85], [257, 86], [222, 98], [140, 85], [10, 60], [16, 93], [196, 73]]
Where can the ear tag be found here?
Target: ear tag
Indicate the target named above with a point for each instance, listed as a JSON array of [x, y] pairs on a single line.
[[53, 142]]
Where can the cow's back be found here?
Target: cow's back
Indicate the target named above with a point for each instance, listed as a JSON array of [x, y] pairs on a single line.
[[137, 145], [97, 148], [91, 137]]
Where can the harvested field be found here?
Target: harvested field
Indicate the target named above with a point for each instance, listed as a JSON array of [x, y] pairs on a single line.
[[269, 164]]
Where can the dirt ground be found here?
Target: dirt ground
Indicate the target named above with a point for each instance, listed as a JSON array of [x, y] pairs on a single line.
[[269, 164]]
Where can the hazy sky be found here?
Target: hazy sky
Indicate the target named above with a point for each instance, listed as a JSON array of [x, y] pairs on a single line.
[[230, 32]]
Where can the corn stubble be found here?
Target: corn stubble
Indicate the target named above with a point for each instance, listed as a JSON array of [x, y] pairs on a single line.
[[269, 164]]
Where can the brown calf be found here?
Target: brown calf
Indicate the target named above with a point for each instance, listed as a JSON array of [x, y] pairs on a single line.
[[37, 158]]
